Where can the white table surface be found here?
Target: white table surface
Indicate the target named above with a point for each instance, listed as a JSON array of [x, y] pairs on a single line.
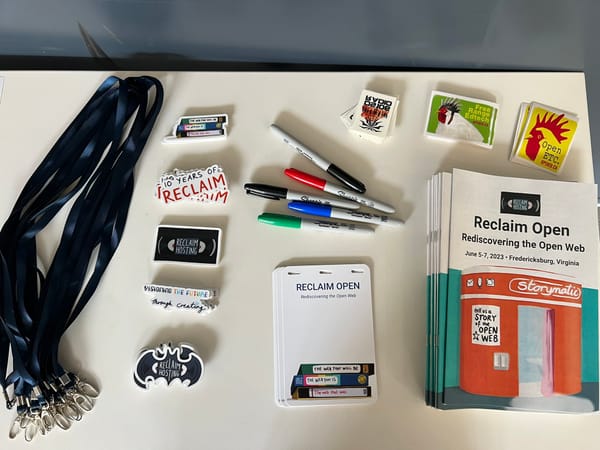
[[233, 406]]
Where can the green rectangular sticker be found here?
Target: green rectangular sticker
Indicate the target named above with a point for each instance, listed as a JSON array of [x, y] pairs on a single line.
[[457, 118]]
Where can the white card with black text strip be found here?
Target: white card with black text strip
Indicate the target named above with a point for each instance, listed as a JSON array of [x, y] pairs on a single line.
[[323, 335]]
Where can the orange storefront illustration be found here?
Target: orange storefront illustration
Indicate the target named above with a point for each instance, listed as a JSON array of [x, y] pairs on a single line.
[[520, 332]]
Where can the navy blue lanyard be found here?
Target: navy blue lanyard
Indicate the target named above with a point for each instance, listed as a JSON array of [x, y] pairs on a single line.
[[91, 163]]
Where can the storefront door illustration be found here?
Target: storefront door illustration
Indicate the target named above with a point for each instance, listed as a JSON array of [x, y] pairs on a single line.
[[536, 349]]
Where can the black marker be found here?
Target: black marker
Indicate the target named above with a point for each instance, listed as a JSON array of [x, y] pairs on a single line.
[[327, 166], [276, 193]]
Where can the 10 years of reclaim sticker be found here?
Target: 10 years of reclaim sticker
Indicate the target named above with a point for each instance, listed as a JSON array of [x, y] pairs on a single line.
[[201, 185]]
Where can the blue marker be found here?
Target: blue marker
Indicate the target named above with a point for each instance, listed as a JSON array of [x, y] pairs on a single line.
[[338, 213]]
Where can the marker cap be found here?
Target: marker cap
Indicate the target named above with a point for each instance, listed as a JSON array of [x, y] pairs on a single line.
[[265, 191], [306, 178], [346, 178], [280, 220]]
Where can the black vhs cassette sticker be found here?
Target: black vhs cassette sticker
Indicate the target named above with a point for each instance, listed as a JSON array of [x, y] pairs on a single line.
[[520, 203], [188, 244]]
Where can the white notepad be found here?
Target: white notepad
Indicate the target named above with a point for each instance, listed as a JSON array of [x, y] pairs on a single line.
[[323, 335]]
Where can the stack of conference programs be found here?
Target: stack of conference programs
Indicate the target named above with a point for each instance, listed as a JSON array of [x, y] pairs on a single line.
[[512, 293]]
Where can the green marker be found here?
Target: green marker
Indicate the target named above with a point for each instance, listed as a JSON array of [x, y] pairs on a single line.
[[282, 220]]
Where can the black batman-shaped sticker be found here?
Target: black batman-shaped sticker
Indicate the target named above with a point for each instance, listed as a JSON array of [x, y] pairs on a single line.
[[165, 364]]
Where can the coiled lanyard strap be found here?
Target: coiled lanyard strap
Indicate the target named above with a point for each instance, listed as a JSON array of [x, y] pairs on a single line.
[[93, 163]]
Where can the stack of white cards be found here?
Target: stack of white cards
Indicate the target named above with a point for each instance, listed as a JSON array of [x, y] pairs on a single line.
[[323, 335]]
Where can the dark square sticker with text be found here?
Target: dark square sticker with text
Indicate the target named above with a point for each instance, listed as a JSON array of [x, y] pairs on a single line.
[[187, 244]]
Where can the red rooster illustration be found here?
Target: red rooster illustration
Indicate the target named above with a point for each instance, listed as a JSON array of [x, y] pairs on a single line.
[[447, 110], [550, 122]]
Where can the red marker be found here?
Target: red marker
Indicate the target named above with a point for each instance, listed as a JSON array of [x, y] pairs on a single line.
[[335, 189]]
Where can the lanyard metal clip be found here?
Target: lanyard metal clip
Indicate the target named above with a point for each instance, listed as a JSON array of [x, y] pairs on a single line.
[[9, 402]]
